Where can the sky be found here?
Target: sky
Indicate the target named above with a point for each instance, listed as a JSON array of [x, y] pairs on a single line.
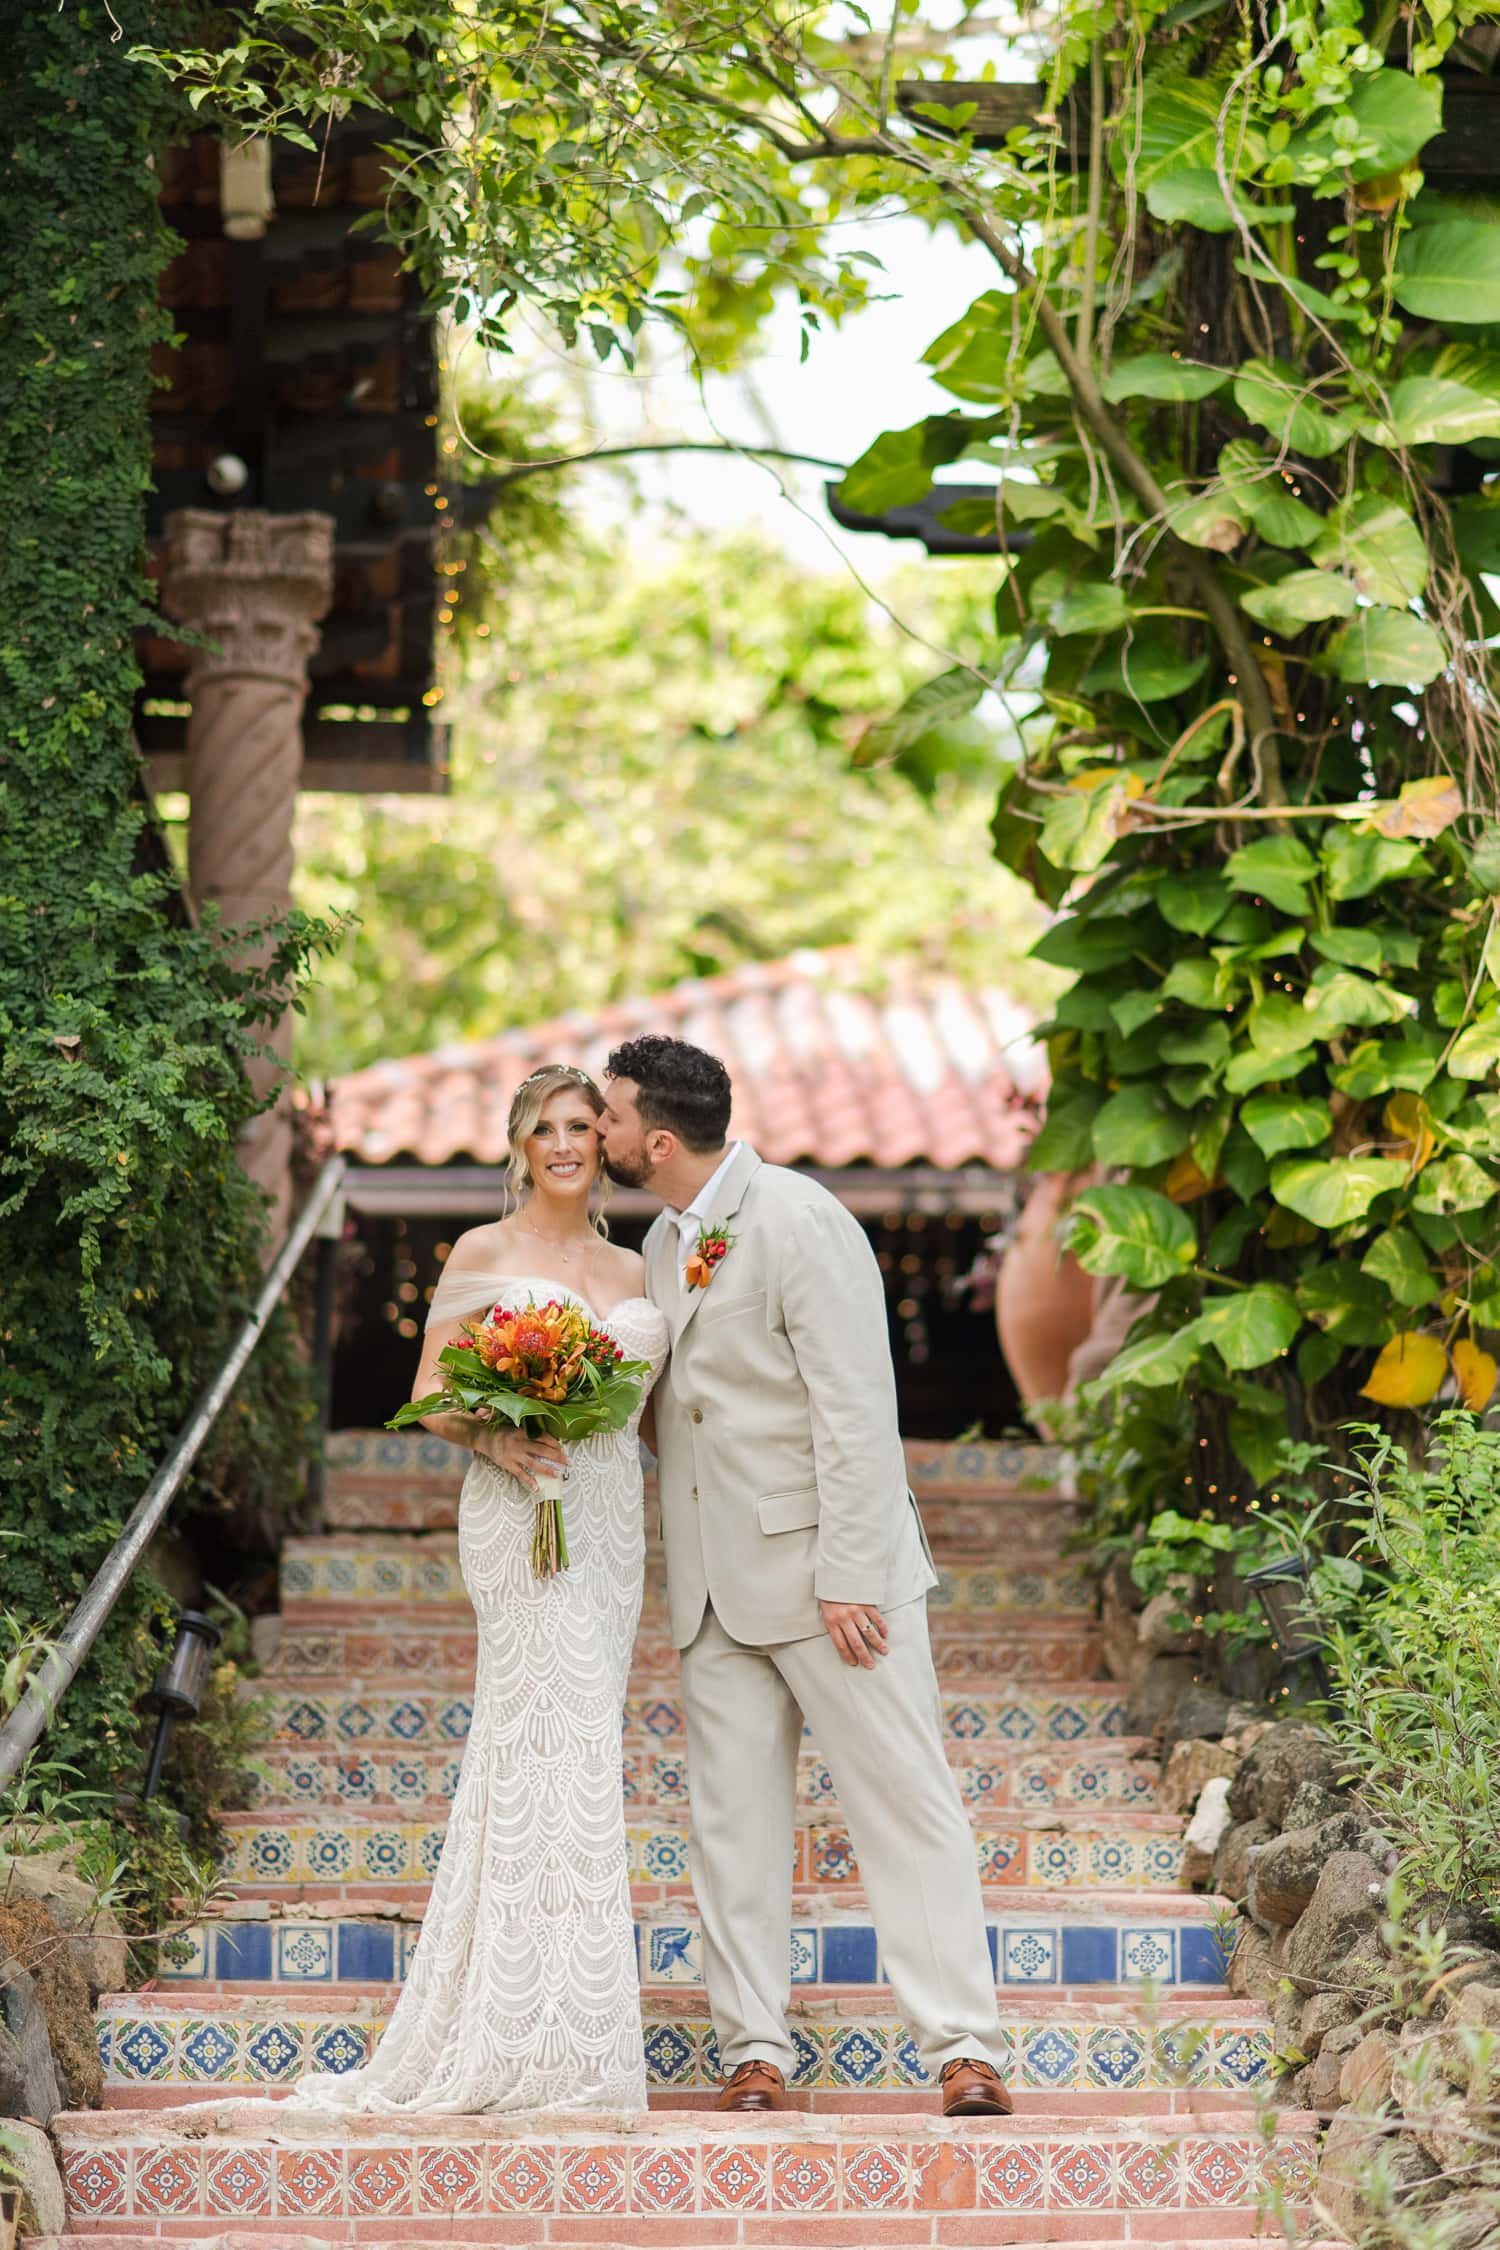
[[857, 380]]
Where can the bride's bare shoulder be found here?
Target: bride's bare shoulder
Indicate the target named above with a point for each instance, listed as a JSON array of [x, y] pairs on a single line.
[[626, 1268], [486, 1247]]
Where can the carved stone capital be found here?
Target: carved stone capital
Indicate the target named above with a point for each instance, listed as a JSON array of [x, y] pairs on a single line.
[[254, 583]]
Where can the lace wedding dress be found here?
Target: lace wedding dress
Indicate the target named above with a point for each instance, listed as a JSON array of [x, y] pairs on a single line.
[[523, 1991]]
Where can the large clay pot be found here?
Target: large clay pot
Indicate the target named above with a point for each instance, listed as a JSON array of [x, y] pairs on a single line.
[[1044, 1301]]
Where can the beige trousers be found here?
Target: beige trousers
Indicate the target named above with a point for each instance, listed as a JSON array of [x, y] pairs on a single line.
[[880, 1734]]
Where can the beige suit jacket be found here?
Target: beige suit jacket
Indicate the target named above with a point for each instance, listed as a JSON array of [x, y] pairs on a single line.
[[782, 1475]]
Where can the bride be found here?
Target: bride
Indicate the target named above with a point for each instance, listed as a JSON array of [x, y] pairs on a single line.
[[523, 1991]]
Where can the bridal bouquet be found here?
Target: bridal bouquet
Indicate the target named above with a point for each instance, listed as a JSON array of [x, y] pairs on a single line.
[[544, 1364]]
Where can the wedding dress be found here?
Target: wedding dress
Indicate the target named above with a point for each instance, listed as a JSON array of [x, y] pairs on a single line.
[[523, 1992]]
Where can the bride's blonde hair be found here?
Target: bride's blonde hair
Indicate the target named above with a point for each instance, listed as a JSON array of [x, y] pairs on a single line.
[[527, 1103]]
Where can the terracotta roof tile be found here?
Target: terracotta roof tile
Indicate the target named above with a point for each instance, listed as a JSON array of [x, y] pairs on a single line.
[[832, 1065]]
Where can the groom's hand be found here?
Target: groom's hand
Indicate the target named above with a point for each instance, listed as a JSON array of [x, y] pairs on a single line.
[[856, 1630]]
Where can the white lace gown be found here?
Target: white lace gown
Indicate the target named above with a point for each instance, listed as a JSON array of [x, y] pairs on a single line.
[[523, 1991]]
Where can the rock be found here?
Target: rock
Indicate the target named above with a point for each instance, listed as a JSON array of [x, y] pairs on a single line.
[[1447, 2131], [1326, 2012], [28, 2080], [1281, 1761], [1191, 1763], [1155, 1690], [95, 1938], [265, 1636], [29, 2156], [1232, 1861], [1469, 2220], [1354, 2147], [1203, 1713], [1205, 1831], [1252, 1973], [31, 1937], [1477, 2002], [1155, 1633], [1325, 2071], [1284, 1872], [1312, 1804], [1119, 1607], [1345, 1908], [1366, 2076]]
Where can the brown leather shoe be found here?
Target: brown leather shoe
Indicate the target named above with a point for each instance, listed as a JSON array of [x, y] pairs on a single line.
[[972, 2088], [755, 2085]]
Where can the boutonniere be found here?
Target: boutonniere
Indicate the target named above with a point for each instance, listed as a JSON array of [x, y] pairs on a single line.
[[714, 1246]]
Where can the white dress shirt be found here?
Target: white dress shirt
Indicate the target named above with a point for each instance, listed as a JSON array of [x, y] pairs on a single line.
[[699, 1213]]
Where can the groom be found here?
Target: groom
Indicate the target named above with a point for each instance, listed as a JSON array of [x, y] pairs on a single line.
[[796, 1577]]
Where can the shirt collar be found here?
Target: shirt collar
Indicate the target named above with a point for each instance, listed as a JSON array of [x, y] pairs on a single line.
[[700, 1211]]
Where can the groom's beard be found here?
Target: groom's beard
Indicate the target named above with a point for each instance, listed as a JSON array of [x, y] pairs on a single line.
[[627, 1173]]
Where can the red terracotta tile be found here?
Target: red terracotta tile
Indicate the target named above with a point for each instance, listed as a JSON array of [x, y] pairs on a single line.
[[943, 2176]]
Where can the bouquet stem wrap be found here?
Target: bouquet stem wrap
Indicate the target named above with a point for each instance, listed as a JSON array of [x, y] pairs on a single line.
[[547, 1365]]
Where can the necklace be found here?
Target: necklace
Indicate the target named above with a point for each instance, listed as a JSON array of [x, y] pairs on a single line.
[[554, 1242]]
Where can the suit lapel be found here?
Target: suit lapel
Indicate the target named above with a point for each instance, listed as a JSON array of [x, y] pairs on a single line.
[[728, 1200]]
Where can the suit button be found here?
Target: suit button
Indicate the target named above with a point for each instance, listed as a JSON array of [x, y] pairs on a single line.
[[695, 1492], [697, 1413]]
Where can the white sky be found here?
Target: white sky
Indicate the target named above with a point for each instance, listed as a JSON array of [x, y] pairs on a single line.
[[856, 381]]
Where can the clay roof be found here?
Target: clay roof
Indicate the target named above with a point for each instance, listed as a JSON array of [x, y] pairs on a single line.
[[831, 1066]]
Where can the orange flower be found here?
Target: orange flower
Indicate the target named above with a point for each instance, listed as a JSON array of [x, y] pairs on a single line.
[[699, 1271]]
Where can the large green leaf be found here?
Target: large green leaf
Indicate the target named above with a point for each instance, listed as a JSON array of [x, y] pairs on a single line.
[[1278, 869], [1183, 126], [1198, 981], [1204, 1043], [1476, 1050], [950, 695], [1280, 1025], [1454, 1183], [1387, 648], [1211, 519], [1088, 942], [1138, 1126], [1066, 1140], [1253, 1067], [1277, 1122], [1338, 997], [1345, 1302], [1384, 1066], [1398, 1259], [1092, 605], [1275, 397], [1434, 410], [1334, 1194], [1152, 1363], [1263, 490], [1162, 375], [1396, 114], [1304, 597], [1192, 902], [975, 358], [1451, 272], [897, 470], [1196, 198], [1081, 825], [1356, 948], [1359, 863], [1133, 1232], [1252, 1326], [1376, 542], [1148, 665]]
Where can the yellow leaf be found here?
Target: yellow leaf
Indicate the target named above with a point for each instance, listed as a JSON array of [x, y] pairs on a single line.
[[1476, 1372], [1424, 808], [1184, 1181], [1408, 1372], [1408, 1122], [1093, 777]]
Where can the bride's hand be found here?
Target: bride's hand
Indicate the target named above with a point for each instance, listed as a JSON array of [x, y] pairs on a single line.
[[520, 1454]]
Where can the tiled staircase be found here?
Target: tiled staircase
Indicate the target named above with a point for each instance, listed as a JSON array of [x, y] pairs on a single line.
[[1134, 2074]]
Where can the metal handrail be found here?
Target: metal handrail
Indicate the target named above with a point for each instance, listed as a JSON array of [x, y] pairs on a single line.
[[321, 1214]]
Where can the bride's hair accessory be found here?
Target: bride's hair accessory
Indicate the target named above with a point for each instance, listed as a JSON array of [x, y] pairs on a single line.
[[714, 1246]]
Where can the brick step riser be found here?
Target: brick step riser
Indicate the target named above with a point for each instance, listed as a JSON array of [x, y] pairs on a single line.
[[959, 1529], [1014, 1652], [463, 2230], [209, 2044], [372, 2171], [1134, 1850], [1035, 1952], [409, 1718], [1092, 1779]]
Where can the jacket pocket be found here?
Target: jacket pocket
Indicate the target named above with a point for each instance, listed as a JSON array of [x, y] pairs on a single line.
[[711, 1312], [788, 1511]]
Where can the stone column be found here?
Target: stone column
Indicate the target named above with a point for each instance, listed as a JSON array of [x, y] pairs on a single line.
[[255, 586]]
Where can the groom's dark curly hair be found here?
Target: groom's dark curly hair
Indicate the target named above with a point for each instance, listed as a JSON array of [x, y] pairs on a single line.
[[679, 1089]]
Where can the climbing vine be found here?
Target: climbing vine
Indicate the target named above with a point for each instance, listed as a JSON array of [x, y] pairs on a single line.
[[128, 1234]]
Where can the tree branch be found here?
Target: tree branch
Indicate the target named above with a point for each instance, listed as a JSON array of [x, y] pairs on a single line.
[[664, 445]]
